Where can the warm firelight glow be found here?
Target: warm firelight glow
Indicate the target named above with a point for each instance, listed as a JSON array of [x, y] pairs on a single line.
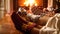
[[30, 2]]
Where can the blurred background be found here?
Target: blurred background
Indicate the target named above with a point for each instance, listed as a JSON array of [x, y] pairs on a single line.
[[7, 7]]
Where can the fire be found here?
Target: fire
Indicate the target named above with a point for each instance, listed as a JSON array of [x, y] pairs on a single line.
[[30, 2]]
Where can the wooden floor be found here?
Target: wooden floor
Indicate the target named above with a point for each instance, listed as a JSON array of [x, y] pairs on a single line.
[[7, 26]]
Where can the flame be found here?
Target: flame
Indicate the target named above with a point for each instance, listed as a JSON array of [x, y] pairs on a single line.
[[30, 2]]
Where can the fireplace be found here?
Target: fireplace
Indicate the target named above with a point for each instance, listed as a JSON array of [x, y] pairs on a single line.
[[17, 3]]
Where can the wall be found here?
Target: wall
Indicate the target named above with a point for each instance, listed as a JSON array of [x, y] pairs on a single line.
[[50, 3], [6, 7], [9, 6], [1, 9]]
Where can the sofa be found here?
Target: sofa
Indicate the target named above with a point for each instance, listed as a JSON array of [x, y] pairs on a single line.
[[27, 27]]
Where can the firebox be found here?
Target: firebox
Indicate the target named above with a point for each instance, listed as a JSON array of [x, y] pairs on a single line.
[[40, 3]]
